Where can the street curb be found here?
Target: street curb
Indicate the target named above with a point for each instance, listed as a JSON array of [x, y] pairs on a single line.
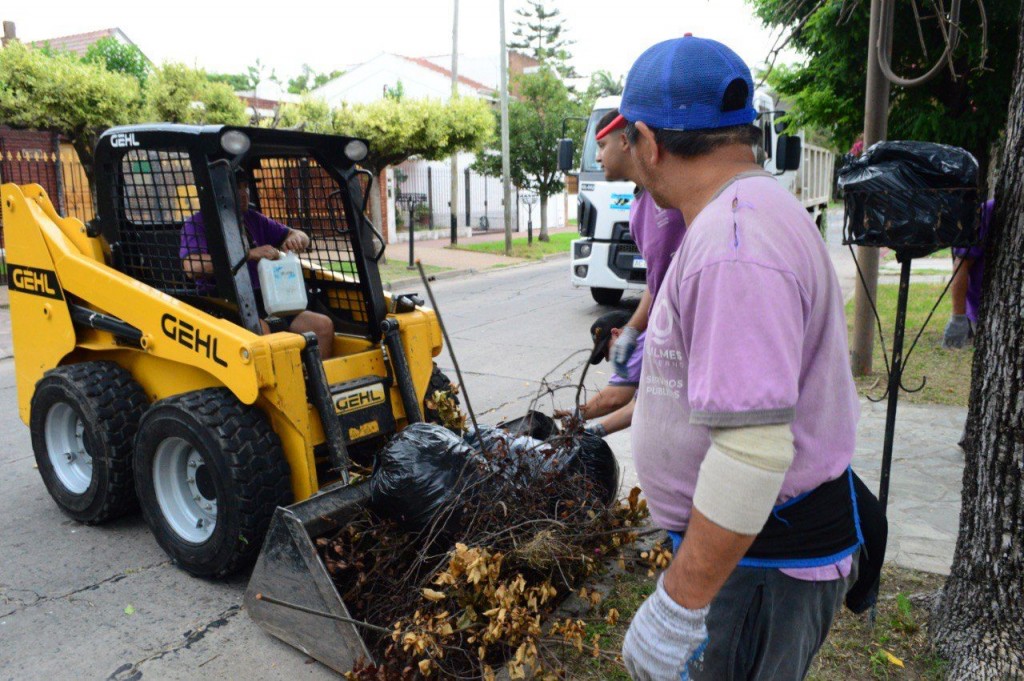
[[470, 271]]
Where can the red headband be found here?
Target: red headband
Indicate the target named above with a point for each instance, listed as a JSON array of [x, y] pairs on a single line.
[[617, 122]]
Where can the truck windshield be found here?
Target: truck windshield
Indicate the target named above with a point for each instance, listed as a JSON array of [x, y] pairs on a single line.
[[589, 162]]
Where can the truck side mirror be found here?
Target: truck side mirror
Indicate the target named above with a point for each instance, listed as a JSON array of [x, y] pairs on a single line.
[[565, 154], [787, 153]]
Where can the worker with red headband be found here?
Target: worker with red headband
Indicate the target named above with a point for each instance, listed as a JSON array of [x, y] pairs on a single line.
[[657, 232]]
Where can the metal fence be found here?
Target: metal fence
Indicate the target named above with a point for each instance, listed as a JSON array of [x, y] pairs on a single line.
[[65, 182], [480, 200]]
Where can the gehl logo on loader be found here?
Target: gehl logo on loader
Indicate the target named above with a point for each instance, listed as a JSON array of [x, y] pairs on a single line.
[[191, 337], [123, 139], [35, 282], [358, 398]]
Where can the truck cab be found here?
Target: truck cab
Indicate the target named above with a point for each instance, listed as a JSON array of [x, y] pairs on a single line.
[[605, 258]]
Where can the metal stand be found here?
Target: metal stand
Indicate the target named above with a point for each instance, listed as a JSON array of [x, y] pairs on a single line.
[[410, 201], [895, 381], [530, 200]]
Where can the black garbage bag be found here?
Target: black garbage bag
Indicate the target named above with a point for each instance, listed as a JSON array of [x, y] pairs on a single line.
[[912, 197], [418, 472], [535, 424], [590, 455]]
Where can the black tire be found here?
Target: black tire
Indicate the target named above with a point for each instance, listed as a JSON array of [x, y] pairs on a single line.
[[438, 381], [238, 460], [101, 405], [606, 296]]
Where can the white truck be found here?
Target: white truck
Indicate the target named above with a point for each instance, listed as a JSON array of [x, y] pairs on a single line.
[[606, 260]]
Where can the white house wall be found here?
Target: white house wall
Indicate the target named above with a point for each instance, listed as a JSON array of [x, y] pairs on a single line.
[[365, 83]]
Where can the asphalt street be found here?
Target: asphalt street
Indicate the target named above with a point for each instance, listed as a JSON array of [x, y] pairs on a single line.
[[104, 603]]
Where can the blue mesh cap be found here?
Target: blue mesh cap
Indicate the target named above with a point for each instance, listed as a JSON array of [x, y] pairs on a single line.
[[680, 84]]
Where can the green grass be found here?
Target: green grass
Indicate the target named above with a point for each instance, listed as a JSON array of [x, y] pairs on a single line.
[[948, 372], [390, 270], [560, 243], [853, 651]]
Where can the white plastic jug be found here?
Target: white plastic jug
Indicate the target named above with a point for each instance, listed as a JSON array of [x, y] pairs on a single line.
[[282, 286]]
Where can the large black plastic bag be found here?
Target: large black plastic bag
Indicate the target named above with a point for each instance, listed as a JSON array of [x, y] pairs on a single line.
[[912, 197], [535, 424], [590, 455], [417, 472]]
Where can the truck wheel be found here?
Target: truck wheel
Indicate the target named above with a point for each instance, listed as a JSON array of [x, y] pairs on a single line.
[[83, 419], [606, 296], [209, 474], [438, 381]]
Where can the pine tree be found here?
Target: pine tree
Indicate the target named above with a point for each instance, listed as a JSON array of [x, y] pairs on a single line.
[[539, 32]]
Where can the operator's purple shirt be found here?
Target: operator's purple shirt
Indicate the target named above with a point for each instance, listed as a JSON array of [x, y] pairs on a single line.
[[262, 230], [657, 233], [748, 330], [633, 366], [977, 253]]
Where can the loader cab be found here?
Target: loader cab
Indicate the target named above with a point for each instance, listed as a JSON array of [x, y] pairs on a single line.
[[153, 179]]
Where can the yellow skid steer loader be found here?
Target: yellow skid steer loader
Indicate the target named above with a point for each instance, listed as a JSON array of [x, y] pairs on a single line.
[[145, 382]]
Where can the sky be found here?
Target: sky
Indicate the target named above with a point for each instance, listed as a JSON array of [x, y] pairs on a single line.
[[228, 37]]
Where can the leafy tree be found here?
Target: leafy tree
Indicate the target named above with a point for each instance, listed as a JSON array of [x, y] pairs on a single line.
[[535, 125], [604, 84], [827, 90], [179, 94], [308, 79], [978, 624], [310, 114], [396, 92], [398, 129], [59, 92], [116, 56], [236, 81], [539, 32]]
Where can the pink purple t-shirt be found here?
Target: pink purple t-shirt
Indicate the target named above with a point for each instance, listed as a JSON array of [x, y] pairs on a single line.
[[262, 230], [633, 366], [657, 233], [748, 330]]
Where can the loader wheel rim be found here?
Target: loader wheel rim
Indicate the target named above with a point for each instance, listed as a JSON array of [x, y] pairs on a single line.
[[64, 432], [185, 490]]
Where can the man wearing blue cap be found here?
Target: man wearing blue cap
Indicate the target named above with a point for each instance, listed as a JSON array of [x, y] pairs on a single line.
[[746, 412]]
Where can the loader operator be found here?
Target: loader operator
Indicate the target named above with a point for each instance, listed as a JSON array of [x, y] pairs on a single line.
[[268, 238], [746, 411]]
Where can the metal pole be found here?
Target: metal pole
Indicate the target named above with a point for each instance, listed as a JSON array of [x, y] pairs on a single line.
[[430, 196], [876, 119], [505, 162], [412, 260], [529, 224], [469, 220], [453, 202], [895, 379]]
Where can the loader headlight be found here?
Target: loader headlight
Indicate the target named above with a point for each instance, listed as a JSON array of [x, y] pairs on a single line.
[[356, 151], [235, 142], [583, 250]]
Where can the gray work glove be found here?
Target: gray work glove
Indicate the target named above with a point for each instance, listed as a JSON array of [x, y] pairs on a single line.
[[597, 429], [663, 637], [957, 333], [622, 350]]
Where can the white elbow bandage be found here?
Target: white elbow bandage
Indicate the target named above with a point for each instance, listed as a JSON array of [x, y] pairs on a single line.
[[742, 474]]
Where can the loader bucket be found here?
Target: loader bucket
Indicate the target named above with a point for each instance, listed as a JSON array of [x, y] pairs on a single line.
[[290, 569]]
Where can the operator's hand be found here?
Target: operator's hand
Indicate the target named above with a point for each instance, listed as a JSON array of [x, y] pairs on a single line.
[[958, 331], [597, 429], [663, 637], [622, 350], [565, 413], [297, 241], [261, 252]]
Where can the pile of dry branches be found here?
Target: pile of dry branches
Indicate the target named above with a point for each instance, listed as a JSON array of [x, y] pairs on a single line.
[[475, 588]]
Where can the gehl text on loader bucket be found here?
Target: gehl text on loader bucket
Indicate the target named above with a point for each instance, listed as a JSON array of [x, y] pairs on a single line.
[[152, 374]]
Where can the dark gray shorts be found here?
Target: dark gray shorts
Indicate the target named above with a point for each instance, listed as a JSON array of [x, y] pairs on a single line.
[[765, 625]]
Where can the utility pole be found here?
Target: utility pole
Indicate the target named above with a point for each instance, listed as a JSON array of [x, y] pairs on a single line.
[[454, 195], [505, 165], [876, 122]]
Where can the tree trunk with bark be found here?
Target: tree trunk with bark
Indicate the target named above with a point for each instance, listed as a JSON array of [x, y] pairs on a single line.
[[543, 236], [978, 623]]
